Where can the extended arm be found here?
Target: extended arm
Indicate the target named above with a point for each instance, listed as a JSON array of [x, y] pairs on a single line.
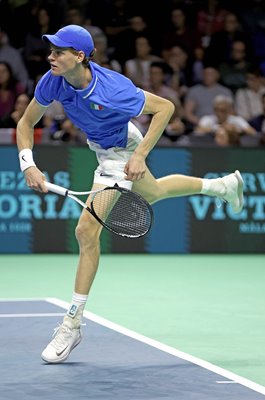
[[25, 142]]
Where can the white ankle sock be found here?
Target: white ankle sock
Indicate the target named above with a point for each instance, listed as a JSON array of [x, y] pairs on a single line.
[[75, 313], [213, 187], [205, 185]]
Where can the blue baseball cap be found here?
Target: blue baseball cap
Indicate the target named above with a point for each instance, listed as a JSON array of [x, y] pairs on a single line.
[[72, 36]]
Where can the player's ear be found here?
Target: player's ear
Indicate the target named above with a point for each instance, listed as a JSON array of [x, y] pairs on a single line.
[[81, 56]]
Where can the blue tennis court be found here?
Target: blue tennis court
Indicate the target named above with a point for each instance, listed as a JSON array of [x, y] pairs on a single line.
[[110, 363]]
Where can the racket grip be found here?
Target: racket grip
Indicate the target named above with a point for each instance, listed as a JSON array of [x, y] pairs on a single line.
[[56, 189]]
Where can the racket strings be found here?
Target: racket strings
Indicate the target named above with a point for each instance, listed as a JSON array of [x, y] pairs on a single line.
[[123, 212]]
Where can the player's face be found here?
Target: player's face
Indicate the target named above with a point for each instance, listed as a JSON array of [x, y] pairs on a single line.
[[62, 61]]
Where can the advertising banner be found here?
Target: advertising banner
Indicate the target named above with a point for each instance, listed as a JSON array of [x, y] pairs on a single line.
[[31, 222]]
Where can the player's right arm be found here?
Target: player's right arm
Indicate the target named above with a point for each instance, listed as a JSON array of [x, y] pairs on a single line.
[[25, 141]]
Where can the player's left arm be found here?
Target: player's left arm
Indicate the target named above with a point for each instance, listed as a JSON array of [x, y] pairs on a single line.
[[161, 110]]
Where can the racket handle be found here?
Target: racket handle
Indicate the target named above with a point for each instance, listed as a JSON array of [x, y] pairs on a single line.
[[56, 189]]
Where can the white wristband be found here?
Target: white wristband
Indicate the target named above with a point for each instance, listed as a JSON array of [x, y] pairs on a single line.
[[26, 159]]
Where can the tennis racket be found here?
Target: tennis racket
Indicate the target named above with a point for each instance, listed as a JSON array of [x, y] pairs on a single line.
[[119, 210]]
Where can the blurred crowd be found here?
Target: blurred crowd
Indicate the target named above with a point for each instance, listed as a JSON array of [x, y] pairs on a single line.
[[206, 56]]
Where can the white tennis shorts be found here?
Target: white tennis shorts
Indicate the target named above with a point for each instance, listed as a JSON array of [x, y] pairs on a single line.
[[112, 161]]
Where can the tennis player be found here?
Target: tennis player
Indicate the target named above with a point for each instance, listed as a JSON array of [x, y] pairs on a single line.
[[101, 103]]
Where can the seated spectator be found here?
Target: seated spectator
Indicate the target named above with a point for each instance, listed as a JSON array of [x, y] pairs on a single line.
[[233, 72], [102, 55], [58, 128], [178, 60], [197, 66], [174, 130], [13, 57], [248, 101], [180, 33], [137, 28], [159, 71], [11, 120], [227, 136], [115, 19], [210, 19], [68, 133], [36, 51], [199, 99], [138, 68], [224, 119], [76, 16], [219, 49], [258, 123], [10, 89]]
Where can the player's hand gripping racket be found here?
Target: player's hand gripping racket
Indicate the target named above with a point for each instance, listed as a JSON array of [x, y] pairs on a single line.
[[120, 210]]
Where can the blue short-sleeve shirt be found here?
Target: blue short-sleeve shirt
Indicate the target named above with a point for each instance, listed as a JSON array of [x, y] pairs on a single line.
[[102, 110]]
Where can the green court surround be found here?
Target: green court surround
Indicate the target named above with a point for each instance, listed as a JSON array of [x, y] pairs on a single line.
[[210, 306]]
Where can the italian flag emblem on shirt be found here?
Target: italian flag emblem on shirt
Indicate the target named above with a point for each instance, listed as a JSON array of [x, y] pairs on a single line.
[[96, 106]]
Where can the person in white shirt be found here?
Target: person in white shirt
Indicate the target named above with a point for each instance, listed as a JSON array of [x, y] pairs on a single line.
[[223, 118], [248, 101], [138, 68]]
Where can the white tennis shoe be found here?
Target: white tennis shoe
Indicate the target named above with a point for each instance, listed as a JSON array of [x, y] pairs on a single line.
[[234, 191], [65, 340]]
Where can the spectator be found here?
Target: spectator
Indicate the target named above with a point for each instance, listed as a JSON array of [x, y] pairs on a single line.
[[138, 68], [248, 101], [223, 120], [102, 56], [10, 88], [180, 34], [11, 120], [159, 71], [220, 45], [58, 128], [137, 28], [76, 16], [197, 66], [210, 19], [12, 56], [117, 15], [233, 73], [227, 136], [178, 60], [200, 97], [258, 123], [36, 51]]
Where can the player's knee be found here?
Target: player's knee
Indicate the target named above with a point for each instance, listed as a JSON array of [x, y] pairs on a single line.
[[87, 233]]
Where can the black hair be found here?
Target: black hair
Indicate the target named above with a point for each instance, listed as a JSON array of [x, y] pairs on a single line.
[[163, 66], [12, 80]]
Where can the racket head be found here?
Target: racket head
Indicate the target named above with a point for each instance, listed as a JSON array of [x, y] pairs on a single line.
[[122, 211]]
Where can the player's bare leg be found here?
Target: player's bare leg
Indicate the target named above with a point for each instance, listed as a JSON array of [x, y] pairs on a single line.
[[228, 188], [69, 334]]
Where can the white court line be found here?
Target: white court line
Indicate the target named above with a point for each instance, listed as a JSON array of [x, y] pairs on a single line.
[[5, 300], [31, 315], [233, 378], [163, 347]]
